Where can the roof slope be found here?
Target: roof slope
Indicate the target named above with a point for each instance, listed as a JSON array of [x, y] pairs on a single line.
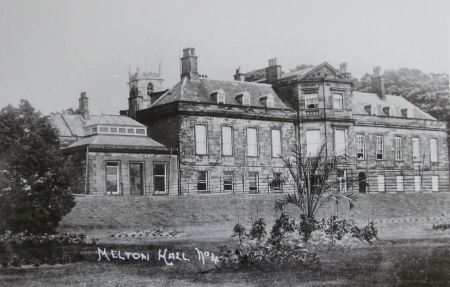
[[200, 91], [118, 140], [361, 99]]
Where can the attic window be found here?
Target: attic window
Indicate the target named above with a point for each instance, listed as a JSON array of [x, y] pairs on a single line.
[[268, 101], [244, 98], [387, 111], [140, 131], [405, 113], [219, 96], [94, 130], [104, 129], [371, 110]]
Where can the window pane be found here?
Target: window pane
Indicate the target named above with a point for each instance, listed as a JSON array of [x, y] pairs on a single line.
[[416, 149], [112, 177], [312, 142], [379, 147], [360, 147], [276, 143], [398, 148], [202, 181], [433, 150], [159, 177], [228, 181], [227, 141], [252, 142], [253, 182], [200, 139], [339, 141]]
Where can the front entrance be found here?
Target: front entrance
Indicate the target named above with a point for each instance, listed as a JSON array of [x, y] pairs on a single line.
[[362, 182], [136, 178]]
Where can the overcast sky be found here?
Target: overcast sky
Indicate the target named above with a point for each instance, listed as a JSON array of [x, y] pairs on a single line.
[[52, 50]]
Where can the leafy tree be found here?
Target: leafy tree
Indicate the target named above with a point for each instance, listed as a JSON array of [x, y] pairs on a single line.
[[34, 193], [316, 182]]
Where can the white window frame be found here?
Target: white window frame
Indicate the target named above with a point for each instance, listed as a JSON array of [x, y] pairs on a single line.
[[117, 165], [206, 182], [398, 148], [199, 149], [342, 149], [338, 98], [165, 191], [434, 183], [313, 148], [433, 150], [312, 99], [381, 183], [417, 183], [379, 147], [227, 141], [276, 147], [416, 148], [360, 147], [250, 152], [399, 182]]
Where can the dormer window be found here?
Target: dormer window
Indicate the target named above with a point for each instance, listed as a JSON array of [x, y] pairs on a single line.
[[406, 113], [311, 101], [387, 111], [372, 110], [268, 101], [218, 96], [244, 98]]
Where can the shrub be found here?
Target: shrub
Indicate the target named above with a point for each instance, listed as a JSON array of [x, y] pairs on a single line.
[[258, 230], [442, 226], [19, 249], [238, 231], [307, 226], [281, 226]]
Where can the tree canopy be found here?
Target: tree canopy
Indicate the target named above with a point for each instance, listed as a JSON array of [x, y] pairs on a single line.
[[34, 192]]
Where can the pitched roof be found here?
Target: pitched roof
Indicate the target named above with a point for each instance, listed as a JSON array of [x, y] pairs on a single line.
[[362, 99], [200, 91], [73, 124], [118, 140]]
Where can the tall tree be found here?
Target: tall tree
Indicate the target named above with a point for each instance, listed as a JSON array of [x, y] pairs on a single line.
[[34, 193]]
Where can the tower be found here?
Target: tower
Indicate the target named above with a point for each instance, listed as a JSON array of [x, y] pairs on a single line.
[[141, 87]]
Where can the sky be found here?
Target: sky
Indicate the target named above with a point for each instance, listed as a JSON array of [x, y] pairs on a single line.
[[50, 51]]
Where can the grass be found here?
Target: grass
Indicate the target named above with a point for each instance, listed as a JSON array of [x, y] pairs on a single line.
[[404, 263]]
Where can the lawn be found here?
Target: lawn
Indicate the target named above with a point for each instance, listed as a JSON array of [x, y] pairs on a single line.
[[402, 263]]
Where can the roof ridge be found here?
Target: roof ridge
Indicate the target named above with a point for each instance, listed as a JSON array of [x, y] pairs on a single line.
[[234, 81]]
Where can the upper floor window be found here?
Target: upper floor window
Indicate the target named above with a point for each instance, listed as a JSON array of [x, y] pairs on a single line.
[[227, 140], [398, 148], [252, 142], [276, 143], [338, 101], [416, 149], [379, 147], [311, 101], [340, 141], [360, 148], [149, 89], [433, 150], [312, 142], [200, 139]]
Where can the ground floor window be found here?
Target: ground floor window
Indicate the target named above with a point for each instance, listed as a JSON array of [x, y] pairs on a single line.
[[435, 183], [342, 180], [399, 180], [227, 181], [112, 178], [417, 183], [253, 182], [136, 178], [202, 181], [160, 178], [381, 183]]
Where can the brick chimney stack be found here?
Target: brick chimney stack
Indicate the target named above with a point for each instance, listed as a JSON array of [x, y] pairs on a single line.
[[239, 76], [84, 105], [343, 69], [189, 64], [273, 71], [378, 83]]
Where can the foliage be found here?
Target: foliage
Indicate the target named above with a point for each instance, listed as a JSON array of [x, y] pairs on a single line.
[[258, 230], [238, 231], [316, 183], [307, 226], [337, 228], [34, 193], [281, 226], [19, 249], [267, 257]]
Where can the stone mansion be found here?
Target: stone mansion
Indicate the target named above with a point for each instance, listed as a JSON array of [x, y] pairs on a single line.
[[216, 136]]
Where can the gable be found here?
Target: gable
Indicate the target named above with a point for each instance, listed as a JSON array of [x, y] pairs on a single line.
[[324, 70]]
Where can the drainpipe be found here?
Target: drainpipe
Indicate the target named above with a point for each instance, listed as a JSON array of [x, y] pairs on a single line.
[[86, 172], [325, 118]]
